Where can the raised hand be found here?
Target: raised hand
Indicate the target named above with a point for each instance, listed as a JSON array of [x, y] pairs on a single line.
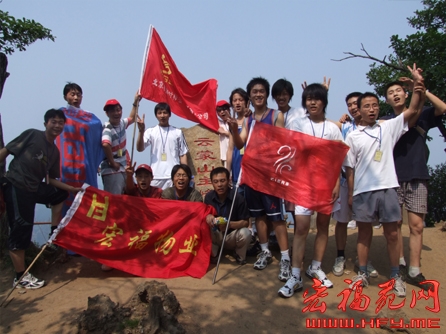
[[140, 122]]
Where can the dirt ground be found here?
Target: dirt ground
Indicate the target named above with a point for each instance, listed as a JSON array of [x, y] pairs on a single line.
[[242, 300]]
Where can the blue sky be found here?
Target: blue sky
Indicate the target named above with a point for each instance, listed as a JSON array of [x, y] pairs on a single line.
[[100, 46]]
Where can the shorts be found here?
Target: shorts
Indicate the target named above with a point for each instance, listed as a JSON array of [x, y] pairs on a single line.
[[162, 183], [413, 195], [378, 204], [20, 206], [114, 183], [303, 211], [260, 204], [344, 214]]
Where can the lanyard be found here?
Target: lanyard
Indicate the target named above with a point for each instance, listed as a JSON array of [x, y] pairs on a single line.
[[379, 139], [312, 127], [162, 139]]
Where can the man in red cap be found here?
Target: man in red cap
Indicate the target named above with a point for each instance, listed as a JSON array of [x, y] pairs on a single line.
[[142, 188], [114, 145], [222, 109]]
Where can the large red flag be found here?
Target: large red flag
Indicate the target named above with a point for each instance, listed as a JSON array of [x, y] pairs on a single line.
[[163, 82], [143, 236], [295, 166]]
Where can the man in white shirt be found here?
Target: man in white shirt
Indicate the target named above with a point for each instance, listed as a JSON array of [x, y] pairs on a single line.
[[372, 179], [167, 144]]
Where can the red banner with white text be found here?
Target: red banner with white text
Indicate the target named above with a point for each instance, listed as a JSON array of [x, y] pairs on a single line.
[[163, 82], [297, 167], [142, 236]]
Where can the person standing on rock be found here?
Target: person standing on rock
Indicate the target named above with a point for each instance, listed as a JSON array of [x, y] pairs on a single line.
[[168, 146]]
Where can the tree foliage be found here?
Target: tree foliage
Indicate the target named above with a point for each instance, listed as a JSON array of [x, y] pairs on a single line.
[[426, 47], [17, 34], [437, 193]]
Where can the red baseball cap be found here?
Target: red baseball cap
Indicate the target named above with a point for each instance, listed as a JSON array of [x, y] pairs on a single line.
[[112, 102], [222, 103], [146, 167]]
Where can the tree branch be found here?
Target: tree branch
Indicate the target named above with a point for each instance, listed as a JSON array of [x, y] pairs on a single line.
[[368, 56]]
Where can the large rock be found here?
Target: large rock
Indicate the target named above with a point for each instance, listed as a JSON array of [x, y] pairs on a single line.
[[203, 156], [152, 309]]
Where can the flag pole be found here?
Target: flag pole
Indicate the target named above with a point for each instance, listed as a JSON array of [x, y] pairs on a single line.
[[232, 206], [144, 61]]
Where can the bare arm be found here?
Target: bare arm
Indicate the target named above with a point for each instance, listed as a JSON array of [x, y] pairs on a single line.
[[350, 183], [141, 129], [183, 159], [3, 154], [109, 154], [412, 113], [135, 105], [280, 122], [229, 153], [439, 105], [238, 139], [63, 186], [129, 185]]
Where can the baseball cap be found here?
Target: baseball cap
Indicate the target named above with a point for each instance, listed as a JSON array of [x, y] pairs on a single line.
[[222, 103], [146, 167], [112, 102]]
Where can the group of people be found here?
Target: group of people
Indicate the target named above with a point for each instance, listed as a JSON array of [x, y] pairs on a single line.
[[385, 168]]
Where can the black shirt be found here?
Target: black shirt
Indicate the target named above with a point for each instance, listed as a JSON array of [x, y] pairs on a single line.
[[411, 152], [239, 212]]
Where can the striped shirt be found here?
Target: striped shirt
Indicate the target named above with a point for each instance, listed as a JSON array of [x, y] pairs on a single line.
[[115, 136]]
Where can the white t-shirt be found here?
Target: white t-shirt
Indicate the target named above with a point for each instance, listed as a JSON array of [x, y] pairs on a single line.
[[291, 115], [168, 140], [364, 142], [324, 130], [224, 140]]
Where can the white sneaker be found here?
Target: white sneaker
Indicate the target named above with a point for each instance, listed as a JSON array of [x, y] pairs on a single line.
[[371, 271], [263, 259], [351, 224], [293, 284], [339, 266], [285, 270], [29, 282], [378, 226], [361, 278], [399, 286], [320, 275]]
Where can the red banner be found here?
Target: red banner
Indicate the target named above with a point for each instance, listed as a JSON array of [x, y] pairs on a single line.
[[142, 236], [294, 166], [163, 82]]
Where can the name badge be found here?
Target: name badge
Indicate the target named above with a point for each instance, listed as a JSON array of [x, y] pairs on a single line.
[[378, 155], [242, 151], [120, 153], [163, 157]]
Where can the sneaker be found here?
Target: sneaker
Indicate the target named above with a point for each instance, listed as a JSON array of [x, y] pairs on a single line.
[[403, 272], [351, 224], [239, 259], [263, 259], [292, 284], [320, 275], [285, 270], [29, 282], [372, 272], [339, 266], [417, 281], [378, 226], [362, 278], [399, 287]]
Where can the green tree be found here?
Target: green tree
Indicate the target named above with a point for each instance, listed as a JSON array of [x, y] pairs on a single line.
[[426, 47], [437, 193], [15, 35]]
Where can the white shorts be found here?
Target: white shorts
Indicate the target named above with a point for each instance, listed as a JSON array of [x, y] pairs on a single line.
[[161, 183], [344, 214], [302, 211]]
